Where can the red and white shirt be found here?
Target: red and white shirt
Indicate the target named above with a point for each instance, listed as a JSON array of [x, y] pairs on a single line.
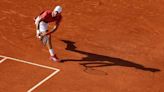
[[46, 16]]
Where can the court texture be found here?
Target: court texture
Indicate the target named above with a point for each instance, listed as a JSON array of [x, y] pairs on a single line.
[[104, 45]]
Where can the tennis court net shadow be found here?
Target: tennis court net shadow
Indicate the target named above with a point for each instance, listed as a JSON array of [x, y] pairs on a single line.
[[102, 60]]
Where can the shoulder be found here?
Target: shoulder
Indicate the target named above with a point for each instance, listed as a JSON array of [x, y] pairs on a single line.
[[59, 17], [46, 12]]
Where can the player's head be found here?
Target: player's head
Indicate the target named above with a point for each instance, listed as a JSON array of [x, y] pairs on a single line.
[[57, 9]]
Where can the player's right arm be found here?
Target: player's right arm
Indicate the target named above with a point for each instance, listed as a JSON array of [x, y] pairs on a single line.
[[37, 21]]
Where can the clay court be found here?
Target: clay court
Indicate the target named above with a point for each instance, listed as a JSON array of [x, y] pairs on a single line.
[[104, 45]]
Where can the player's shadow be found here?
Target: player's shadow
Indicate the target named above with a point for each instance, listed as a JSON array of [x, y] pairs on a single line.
[[102, 60]]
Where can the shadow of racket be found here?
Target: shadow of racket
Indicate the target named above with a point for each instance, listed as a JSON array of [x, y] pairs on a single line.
[[93, 71]]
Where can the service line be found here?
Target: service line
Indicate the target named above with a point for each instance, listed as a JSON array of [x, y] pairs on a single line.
[[3, 60]]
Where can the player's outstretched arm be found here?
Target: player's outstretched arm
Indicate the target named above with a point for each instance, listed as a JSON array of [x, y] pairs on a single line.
[[37, 21]]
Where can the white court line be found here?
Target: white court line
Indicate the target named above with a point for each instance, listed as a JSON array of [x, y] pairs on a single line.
[[41, 82], [39, 65], [3, 60], [23, 61]]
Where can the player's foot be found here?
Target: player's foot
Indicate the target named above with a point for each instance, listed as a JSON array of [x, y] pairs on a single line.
[[54, 58]]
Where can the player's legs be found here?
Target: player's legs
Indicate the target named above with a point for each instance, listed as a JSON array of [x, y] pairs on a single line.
[[51, 50], [46, 40]]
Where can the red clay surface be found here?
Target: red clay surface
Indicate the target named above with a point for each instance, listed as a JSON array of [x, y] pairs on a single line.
[[108, 45], [16, 76]]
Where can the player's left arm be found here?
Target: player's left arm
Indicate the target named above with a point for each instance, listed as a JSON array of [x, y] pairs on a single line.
[[55, 27], [52, 30]]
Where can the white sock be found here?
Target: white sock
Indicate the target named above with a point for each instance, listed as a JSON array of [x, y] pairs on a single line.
[[51, 52]]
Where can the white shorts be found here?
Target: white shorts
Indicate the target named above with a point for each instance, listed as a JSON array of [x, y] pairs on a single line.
[[43, 27]]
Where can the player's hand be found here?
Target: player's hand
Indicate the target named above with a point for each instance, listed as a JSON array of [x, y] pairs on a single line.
[[43, 34], [38, 34]]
